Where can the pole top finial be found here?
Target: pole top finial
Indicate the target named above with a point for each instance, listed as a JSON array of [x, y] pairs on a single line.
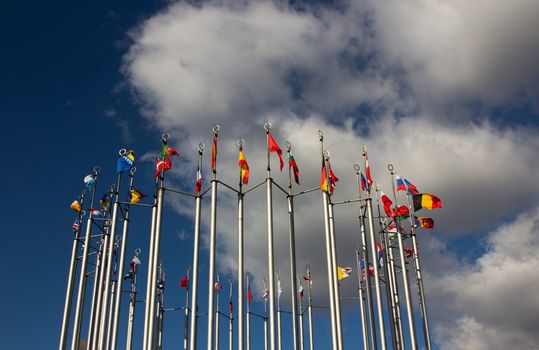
[[267, 126], [122, 152], [201, 147], [288, 145], [364, 149], [97, 170], [83, 212], [320, 134], [132, 171], [112, 187], [165, 136], [326, 154], [376, 186], [83, 192], [390, 168], [356, 168], [308, 267], [240, 142], [215, 129], [137, 251]]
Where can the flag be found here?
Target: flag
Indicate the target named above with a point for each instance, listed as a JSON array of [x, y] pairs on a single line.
[[265, 295], [125, 162], [162, 164], [198, 185], [167, 151], [184, 283], [368, 171], [362, 266], [76, 225], [332, 178], [343, 272], [274, 147], [135, 196], [89, 181], [96, 212], [76, 206], [387, 204], [423, 222], [134, 262], [249, 295], [409, 252], [217, 287], [244, 167], [324, 178], [230, 306], [379, 248], [308, 278], [104, 201], [214, 154], [392, 230], [363, 182], [402, 211], [427, 201], [161, 283], [279, 288], [300, 292], [405, 185], [292, 164]]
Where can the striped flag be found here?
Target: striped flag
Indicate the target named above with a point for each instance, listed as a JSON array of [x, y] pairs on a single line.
[[292, 164], [405, 185], [368, 171], [214, 154], [76, 225], [244, 167]]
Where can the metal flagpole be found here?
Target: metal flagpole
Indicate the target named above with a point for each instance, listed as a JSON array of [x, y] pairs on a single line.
[[211, 282], [329, 261], [132, 304], [186, 319], [279, 330], [98, 282], [300, 314], [265, 315], [161, 310], [419, 280], [365, 256], [71, 277], [292, 246], [119, 284], [381, 324], [310, 308], [271, 272], [196, 249], [79, 306], [408, 298], [240, 258], [248, 316], [217, 313], [364, 327], [230, 319], [114, 280]]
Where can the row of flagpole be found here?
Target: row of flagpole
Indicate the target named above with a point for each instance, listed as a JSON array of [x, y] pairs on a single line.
[[107, 289]]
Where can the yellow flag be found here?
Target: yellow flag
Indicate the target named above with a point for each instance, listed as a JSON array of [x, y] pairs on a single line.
[[76, 206], [343, 272]]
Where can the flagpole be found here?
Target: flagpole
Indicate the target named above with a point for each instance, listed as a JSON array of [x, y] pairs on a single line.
[[132, 305], [381, 324], [408, 298], [365, 257], [114, 280], [71, 277], [160, 308], [240, 258], [364, 327], [230, 319], [248, 316], [196, 249], [271, 272], [119, 284], [419, 280], [279, 330], [96, 291], [292, 246], [310, 308], [79, 306], [213, 220], [329, 260], [186, 318], [300, 314], [265, 316], [217, 313]]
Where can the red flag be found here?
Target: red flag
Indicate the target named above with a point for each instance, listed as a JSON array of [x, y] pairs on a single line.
[[274, 147], [162, 164], [368, 170], [409, 252], [244, 167], [184, 283], [198, 186], [387, 204], [231, 308], [214, 153], [401, 211], [249, 295], [332, 178], [292, 164]]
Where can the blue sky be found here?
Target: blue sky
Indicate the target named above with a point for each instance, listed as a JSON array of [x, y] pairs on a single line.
[[445, 92]]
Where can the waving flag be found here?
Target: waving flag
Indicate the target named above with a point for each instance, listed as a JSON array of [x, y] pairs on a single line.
[[405, 185], [363, 182], [184, 283], [324, 178], [214, 153], [104, 201], [292, 164], [244, 167], [162, 165], [409, 252], [125, 162], [387, 204], [363, 273], [423, 222], [379, 249], [135, 196], [332, 178], [368, 171], [96, 212], [265, 295], [167, 151], [427, 201], [89, 181], [76, 206], [198, 185], [249, 295], [343, 272], [274, 147], [76, 225], [402, 211]]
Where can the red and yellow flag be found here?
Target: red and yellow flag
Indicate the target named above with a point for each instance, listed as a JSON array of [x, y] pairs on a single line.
[[214, 154], [244, 167], [324, 178], [427, 201]]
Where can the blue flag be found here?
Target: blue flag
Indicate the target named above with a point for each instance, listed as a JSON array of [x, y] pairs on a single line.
[[125, 162]]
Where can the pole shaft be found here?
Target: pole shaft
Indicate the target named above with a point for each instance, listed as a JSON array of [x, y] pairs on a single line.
[[217, 297], [186, 317], [293, 272], [248, 316], [93, 331], [194, 282], [310, 308], [334, 259], [132, 306], [240, 271], [331, 275], [363, 315], [211, 278], [300, 316], [271, 272], [368, 289]]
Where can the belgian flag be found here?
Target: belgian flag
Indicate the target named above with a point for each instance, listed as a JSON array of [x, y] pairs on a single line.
[[427, 201]]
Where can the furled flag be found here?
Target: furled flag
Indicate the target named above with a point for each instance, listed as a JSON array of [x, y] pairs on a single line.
[[300, 291], [135, 195], [265, 295], [244, 167], [405, 185], [162, 164], [292, 164], [198, 185], [76, 225], [362, 266], [161, 283], [89, 181], [249, 295], [308, 278], [184, 283], [423, 222], [76, 206], [379, 248], [392, 230], [104, 201], [332, 178], [133, 265], [167, 151], [387, 204], [125, 162], [274, 147], [217, 287], [409, 252], [368, 171], [279, 288], [231, 308], [343, 272], [214, 153], [363, 182], [427, 201]]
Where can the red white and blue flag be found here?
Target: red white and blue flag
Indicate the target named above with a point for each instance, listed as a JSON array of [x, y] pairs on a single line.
[[405, 185]]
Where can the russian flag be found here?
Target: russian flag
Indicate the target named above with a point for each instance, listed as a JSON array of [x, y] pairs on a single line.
[[363, 182], [405, 185]]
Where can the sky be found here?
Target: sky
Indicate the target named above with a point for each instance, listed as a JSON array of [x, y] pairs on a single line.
[[444, 91]]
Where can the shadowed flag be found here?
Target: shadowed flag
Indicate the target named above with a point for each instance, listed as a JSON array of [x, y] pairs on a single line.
[[274, 147], [214, 153], [89, 181], [244, 167], [427, 201], [76, 206], [125, 162], [423, 222], [162, 165], [135, 196], [292, 164], [387, 204], [184, 283]]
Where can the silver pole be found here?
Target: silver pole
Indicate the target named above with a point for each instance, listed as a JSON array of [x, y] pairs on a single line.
[[112, 301], [93, 332], [265, 317], [240, 260], [248, 316], [408, 298], [329, 260], [160, 309], [336, 292], [119, 284], [196, 249], [292, 252], [362, 303], [211, 277], [300, 314], [279, 329], [132, 305], [95, 291], [230, 320], [271, 272], [217, 314], [71, 279], [186, 318], [310, 308], [82, 279]]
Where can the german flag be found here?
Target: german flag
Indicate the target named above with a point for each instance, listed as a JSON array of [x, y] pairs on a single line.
[[244, 167], [427, 201], [324, 178]]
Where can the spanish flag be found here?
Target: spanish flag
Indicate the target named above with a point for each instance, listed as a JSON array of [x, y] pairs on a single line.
[[244, 167], [427, 201]]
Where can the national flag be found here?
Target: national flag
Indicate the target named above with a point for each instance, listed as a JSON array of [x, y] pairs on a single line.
[[402, 211], [104, 201], [249, 295], [409, 252], [292, 164], [363, 182], [423, 222], [343, 272], [76, 206], [96, 212], [76, 225], [426, 200], [332, 178], [217, 287], [308, 278], [214, 154], [230, 306], [125, 162], [279, 289], [265, 295], [184, 283], [135, 196], [379, 249], [134, 262], [392, 230], [300, 292], [167, 151], [274, 147], [244, 167], [162, 165], [324, 178], [89, 181], [368, 171], [363, 272], [161, 283], [198, 185], [405, 185], [387, 204]]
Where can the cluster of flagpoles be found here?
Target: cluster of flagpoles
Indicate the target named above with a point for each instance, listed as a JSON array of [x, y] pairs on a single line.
[[380, 259]]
